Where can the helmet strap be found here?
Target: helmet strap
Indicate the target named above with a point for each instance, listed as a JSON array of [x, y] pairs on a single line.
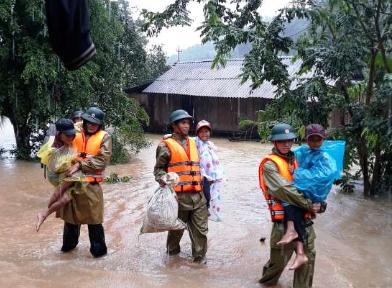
[[290, 156], [101, 127], [177, 130]]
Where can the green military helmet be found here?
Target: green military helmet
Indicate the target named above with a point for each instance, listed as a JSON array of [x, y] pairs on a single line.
[[94, 115], [77, 114], [281, 132], [178, 115]]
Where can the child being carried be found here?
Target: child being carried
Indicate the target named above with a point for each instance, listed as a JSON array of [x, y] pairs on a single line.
[[314, 177], [59, 154]]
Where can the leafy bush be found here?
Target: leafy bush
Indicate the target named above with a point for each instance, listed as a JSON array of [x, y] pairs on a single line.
[[115, 178]]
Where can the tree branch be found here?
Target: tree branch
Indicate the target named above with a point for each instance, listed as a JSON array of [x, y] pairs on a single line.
[[372, 74], [367, 33], [347, 99], [381, 39]]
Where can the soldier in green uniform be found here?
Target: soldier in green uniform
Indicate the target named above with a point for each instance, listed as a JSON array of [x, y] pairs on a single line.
[[279, 189], [192, 203], [77, 116], [94, 148]]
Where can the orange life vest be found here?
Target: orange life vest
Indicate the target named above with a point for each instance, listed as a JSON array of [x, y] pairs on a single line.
[[186, 164], [275, 206], [87, 151]]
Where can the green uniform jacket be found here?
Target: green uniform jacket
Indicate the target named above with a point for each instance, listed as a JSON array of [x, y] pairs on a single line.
[[187, 200], [87, 208], [282, 189]]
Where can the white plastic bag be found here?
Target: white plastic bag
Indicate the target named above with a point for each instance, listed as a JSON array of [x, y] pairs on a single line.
[[162, 212]]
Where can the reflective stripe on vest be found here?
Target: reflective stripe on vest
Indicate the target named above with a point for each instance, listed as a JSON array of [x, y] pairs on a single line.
[[87, 151], [186, 164], [274, 205]]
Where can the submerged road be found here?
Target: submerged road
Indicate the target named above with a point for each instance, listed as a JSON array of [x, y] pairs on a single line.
[[353, 236]]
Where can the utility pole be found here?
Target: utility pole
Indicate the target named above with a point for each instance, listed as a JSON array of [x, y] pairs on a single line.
[[178, 53]]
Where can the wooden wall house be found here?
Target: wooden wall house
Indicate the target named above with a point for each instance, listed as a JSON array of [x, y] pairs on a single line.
[[215, 95]]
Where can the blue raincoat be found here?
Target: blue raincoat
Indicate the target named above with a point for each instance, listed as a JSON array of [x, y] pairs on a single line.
[[317, 172]]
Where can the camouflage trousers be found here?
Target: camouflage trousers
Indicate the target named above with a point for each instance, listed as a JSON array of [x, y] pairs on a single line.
[[280, 255], [193, 211]]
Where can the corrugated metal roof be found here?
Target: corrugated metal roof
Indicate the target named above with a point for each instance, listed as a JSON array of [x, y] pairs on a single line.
[[138, 88], [196, 78]]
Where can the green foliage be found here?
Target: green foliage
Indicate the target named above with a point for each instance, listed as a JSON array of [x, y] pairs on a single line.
[[346, 42], [36, 88], [115, 178], [346, 183], [128, 138], [175, 14], [310, 102], [294, 30], [156, 63], [120, 154], [350, 158]]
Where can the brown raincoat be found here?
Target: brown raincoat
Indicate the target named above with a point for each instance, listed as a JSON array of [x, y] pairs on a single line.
[[87, 208]]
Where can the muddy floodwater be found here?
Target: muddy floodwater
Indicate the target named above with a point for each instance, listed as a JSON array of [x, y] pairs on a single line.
[[354, 236]]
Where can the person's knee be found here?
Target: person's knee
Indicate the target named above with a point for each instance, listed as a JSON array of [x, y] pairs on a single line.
[[201, 230], [174, 234], [311, 255], [310, 250], [200, 222], [64, 200]]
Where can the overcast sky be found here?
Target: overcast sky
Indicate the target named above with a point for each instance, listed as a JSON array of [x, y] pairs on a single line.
[[185, 37]]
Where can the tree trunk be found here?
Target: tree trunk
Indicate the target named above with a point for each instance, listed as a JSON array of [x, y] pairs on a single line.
[[372, 75], [344, 89], [22, 136], [363, 161], [376, 169]]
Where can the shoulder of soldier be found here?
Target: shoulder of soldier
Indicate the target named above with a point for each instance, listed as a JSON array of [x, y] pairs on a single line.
[[270, 166], [107, 137], [162, 150], [162, 146], [167, 136]]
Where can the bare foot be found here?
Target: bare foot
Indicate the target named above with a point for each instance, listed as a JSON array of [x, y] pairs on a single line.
[[288, 237], [40, 219], [298, 261]]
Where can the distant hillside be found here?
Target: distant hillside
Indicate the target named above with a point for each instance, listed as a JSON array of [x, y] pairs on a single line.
[[196, 52], [207, 51], [204, 52]]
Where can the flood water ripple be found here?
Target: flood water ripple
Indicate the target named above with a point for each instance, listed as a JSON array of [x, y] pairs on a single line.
[[353, 236]]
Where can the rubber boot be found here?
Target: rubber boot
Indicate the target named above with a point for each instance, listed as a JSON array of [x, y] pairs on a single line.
[[70, 237], [97, 240]]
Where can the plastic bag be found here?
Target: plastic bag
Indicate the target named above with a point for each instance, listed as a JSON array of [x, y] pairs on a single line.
[[335, 148], [316, 173], [61, 159], [162, 212]]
